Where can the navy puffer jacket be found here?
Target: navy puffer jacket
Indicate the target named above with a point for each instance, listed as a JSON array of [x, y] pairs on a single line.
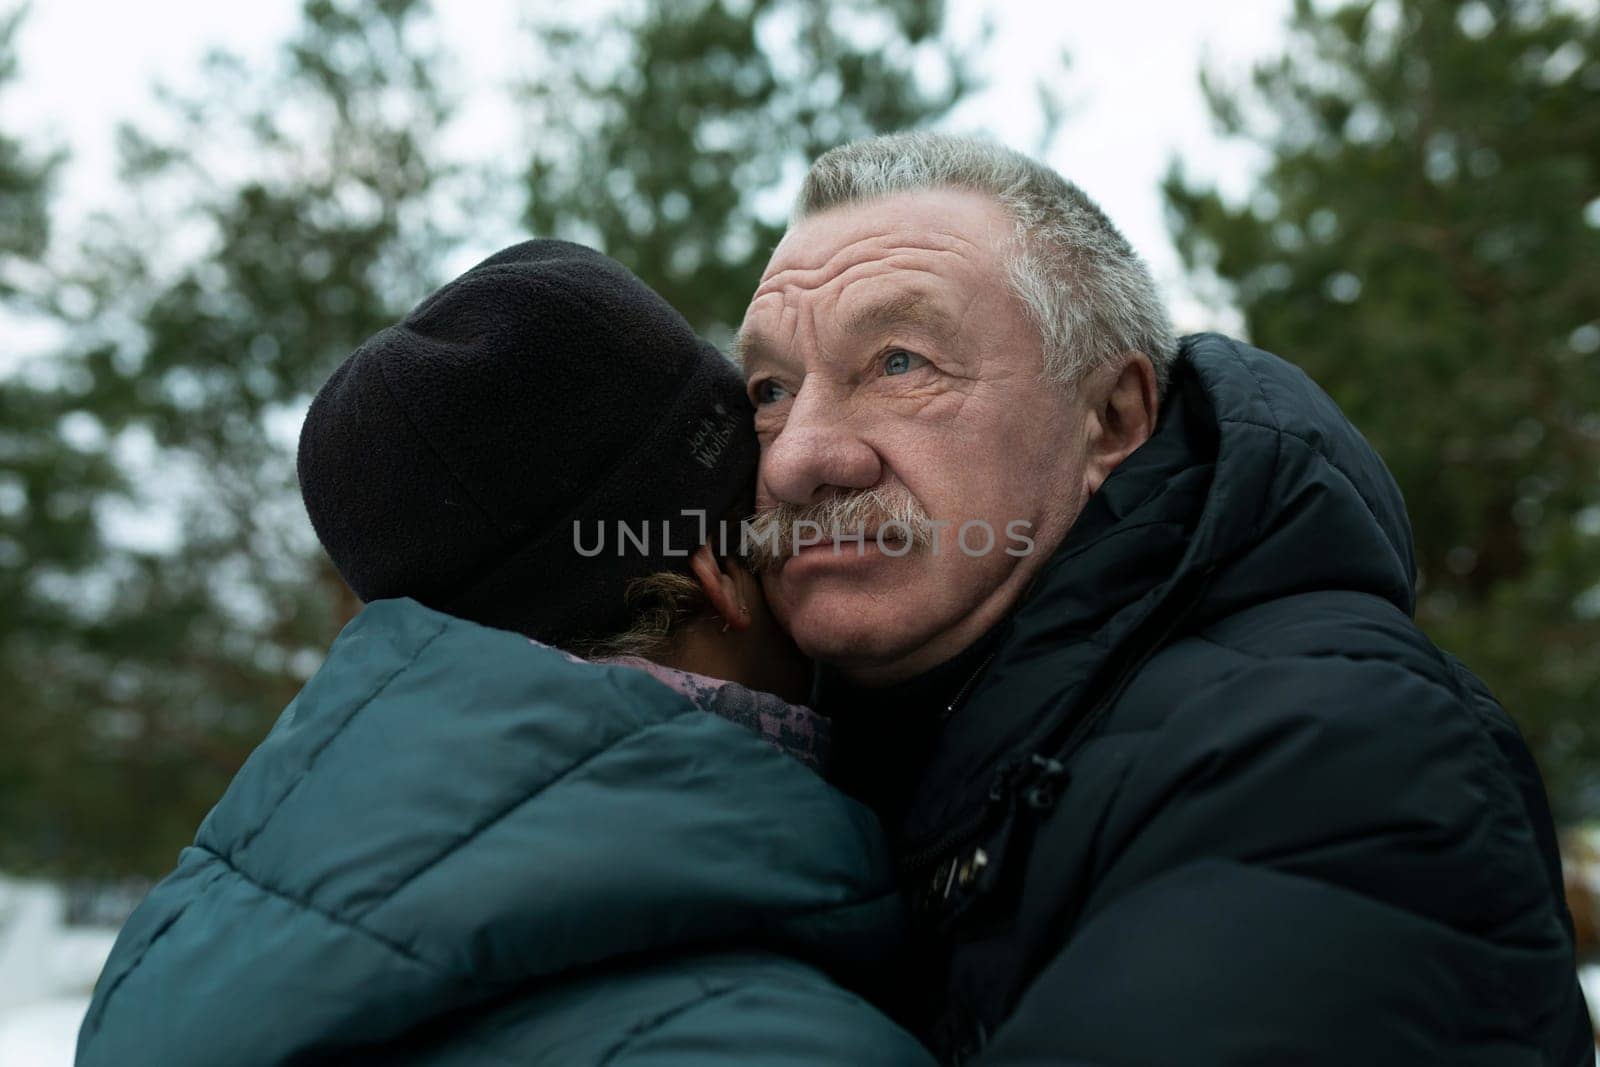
[[1211, 797]]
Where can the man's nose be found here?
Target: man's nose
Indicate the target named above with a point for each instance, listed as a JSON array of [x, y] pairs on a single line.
[[817, 452]]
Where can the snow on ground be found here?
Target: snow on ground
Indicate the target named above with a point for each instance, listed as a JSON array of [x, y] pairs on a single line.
[[1590, 978], [47, 971], [42, 1034]]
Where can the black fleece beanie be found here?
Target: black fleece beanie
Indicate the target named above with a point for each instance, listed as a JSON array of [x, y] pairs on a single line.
[[449, 458]]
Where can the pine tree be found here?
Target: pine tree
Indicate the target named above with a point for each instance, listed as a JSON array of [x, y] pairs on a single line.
[[165, 598], [1425, 241], [47, 487], [265, 226], [663, 135], [24, 181]]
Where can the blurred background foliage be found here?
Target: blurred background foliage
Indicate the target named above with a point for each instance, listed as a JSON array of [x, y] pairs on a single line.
[[1425, 242], [1423, 239], [270, 221]]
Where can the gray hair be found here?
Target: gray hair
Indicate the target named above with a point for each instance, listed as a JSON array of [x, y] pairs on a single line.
[[1090, 295]]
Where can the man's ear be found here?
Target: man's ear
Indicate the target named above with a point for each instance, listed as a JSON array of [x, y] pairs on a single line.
[[720, 588], [1123, 418]]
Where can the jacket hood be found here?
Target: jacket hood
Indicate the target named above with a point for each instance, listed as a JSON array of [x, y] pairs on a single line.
[[448, 813], [1299, 500], [1253, 487]]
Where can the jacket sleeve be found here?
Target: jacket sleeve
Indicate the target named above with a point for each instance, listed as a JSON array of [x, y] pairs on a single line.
[[749, 1009], [711, 1009], [774, 1026], [1315, 860]]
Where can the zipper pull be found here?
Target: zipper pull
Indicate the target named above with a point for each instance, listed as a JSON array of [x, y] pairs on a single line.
[[1046, 779], [955, 701], [971, 867], [964, 864], [1003, 779], [960, 871]]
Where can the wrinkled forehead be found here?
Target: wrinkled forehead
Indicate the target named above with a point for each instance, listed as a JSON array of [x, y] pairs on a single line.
[[958, 220], [943, 246]]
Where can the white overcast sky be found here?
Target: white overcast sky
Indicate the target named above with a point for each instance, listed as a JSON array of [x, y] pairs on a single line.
[[1132, 88]]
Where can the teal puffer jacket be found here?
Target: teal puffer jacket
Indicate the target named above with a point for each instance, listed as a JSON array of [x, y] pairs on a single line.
[[458, 847]]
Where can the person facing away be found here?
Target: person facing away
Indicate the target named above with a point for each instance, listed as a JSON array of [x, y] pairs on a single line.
[[462, 846], [1172, 777]]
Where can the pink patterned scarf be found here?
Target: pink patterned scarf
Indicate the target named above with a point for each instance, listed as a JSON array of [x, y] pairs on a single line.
[[791, 728]]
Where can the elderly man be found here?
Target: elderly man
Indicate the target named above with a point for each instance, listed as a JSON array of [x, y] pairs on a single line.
[[1172, 775]]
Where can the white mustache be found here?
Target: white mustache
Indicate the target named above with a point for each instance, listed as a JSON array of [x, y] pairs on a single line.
[[856, 516]]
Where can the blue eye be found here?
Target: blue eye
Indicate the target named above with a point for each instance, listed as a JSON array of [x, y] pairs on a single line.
[[901, 362], [767, 391]]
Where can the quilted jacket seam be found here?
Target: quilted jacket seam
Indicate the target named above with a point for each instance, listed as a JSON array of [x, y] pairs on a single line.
[[1311, 447], [1262, 511], [1393, 661], [305, 771], [863, 903], [347, 923], [1484, 767], [183, 909], [517, 801], [655, 1024]]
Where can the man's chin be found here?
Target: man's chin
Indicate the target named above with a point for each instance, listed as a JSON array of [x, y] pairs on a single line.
[[851, 631]]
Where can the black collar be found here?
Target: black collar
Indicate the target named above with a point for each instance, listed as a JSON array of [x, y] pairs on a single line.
[[884, 736]]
